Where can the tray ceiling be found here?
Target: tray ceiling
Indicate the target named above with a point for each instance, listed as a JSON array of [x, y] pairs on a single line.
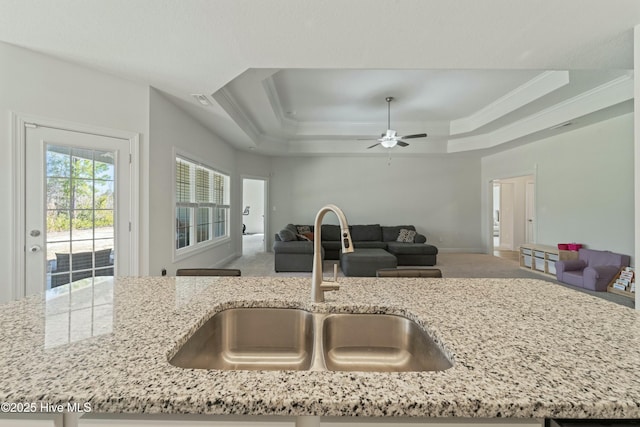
[[320, 70]]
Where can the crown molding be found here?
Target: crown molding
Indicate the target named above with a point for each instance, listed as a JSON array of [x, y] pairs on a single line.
[[287, 124], [237, 114], [598, 98], [534, 89]]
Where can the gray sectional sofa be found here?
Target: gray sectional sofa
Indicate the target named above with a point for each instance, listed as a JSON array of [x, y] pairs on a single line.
[[294, 253]]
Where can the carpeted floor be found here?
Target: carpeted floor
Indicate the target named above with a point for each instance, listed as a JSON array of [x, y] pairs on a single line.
[[255, 262]]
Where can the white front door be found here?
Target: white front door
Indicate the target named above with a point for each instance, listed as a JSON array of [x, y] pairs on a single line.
[[77, 207]]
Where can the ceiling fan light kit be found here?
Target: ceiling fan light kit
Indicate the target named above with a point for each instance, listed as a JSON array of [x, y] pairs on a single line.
[[390, 138]]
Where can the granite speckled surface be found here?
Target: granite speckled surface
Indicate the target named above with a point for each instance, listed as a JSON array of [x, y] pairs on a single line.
[[520, 348]]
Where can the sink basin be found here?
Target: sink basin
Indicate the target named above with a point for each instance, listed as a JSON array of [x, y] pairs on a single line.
[[379, 342], [293, 339], [251, 339]]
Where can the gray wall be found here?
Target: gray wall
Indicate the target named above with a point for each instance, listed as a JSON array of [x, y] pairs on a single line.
[[584, 185], [171, 128], [439, 195]]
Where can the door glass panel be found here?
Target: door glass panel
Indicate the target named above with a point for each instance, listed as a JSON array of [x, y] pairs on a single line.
[[58, 191], [80, 236], [103, 194], [81, 193], [104, 223], [82, 163], [58, 161]]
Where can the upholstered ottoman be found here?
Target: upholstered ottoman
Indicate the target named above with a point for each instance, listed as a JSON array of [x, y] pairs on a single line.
[[365, 262], [413, 253]]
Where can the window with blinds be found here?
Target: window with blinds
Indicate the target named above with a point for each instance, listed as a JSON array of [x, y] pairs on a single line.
[[202, 204]]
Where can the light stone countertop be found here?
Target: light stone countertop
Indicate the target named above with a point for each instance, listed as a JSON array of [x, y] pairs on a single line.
[[520, 347]]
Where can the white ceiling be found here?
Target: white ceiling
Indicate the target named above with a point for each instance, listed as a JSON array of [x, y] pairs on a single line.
[[305, 77]]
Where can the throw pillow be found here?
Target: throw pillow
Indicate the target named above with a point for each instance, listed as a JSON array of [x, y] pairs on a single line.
[[302, 229], [308, 235], [286, 235], [406, 236], [303, 237]]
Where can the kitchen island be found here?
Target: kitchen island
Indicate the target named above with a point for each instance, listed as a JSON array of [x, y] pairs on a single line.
[[521, 349]]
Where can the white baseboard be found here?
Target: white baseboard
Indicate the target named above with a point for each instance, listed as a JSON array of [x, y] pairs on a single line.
[[226, 260]]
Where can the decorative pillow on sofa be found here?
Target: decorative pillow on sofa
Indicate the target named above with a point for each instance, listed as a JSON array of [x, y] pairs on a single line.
[[308, 235], [302, 229], [305, 237], [286, 235], [406, 236], [390, 234]]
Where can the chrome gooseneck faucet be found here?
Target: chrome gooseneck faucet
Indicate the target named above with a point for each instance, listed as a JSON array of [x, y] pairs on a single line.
[[318, 286]]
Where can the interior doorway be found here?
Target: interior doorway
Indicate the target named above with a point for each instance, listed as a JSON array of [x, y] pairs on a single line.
[[513, 213], [254, 198]]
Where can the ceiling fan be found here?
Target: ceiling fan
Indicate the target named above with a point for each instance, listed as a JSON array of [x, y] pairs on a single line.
[[390, 138]]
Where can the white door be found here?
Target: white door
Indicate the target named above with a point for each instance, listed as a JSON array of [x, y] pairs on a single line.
[[77, 207], [529, 212], [507, 195]]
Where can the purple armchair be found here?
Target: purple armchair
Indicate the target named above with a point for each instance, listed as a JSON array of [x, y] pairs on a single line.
[[592, 270]]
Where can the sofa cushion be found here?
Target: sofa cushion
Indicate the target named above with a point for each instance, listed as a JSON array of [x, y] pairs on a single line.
[[103, 258], [293, 247], [406, 236], [399, 248], [369, 245], [330, 232], [62, 262], [366, 233], [390, 234]]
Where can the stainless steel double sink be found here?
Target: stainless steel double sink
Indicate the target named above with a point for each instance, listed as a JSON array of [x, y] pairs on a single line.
[[295, 339]]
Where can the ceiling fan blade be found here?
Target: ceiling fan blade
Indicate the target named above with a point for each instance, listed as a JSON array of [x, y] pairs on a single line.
[[401, 143], [373, 145], [417, 135]]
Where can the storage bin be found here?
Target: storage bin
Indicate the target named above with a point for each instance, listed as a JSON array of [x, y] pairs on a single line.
[[574, 246], [526, 251], [551, 267], [563, 246], [527, 260], [539, 264], [553, 257], [538, 254]]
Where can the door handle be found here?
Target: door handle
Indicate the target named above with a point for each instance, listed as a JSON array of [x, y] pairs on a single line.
[[35, 248]]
